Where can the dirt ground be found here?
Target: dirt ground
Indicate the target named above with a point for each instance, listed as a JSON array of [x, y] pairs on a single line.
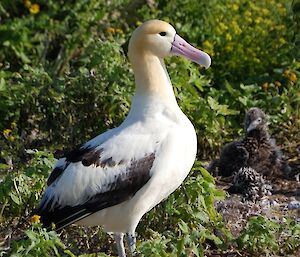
[[282, 203]]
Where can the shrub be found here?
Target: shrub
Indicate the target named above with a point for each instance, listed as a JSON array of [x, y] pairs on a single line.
[[262, 236]]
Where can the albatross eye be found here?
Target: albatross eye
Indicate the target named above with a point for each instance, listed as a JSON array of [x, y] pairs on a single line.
[[163, 33]]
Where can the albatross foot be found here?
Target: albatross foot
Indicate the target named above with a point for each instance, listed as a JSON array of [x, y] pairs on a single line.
[[131, 239], [120, 244]]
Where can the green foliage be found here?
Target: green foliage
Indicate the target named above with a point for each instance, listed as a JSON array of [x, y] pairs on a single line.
[[39, 242], [71, 67], [156, 246], [244, 38], [264, 236], [20, 192], [63, 66]]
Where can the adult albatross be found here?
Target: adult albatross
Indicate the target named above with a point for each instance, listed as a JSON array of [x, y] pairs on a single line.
[[118, 176]]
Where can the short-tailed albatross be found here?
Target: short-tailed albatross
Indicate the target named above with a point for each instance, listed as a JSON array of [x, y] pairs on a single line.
[[115, 178]]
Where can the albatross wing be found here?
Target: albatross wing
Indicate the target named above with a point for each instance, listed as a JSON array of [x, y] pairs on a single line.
[[97, 176]]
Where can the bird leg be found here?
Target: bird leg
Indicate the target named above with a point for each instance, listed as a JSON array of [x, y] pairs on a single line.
[[131, 239], [120, 244]]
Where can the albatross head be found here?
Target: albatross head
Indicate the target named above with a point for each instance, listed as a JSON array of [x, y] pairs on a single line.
[[255, 119], [160, 39]]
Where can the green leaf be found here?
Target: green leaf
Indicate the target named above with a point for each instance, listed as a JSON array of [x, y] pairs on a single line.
[[15, 198], [213, 103], [183, 227], [31, 235], [206, 175], [180, 245], [2, 84], [4, 166]]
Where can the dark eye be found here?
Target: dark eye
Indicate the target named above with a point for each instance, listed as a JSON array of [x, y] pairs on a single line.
[[163, 34]]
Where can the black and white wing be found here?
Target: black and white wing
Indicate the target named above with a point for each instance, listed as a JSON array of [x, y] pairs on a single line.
[[92, 178]]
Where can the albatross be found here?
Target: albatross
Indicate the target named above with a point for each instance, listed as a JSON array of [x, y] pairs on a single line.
[[115, 178], [256, 150]]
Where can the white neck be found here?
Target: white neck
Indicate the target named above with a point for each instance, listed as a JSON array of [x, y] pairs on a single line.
[[151, 77]]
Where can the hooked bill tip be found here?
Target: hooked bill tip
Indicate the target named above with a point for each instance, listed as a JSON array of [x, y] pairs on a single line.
[[205, 60]]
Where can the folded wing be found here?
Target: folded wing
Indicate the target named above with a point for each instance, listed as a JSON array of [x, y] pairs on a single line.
[[84, 182]]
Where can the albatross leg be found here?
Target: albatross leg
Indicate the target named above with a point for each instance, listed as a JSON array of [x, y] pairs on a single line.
[[131, 243], [120, 244]]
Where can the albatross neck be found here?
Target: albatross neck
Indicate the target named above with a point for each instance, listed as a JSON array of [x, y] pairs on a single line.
[[152, 78], [260, 134]]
